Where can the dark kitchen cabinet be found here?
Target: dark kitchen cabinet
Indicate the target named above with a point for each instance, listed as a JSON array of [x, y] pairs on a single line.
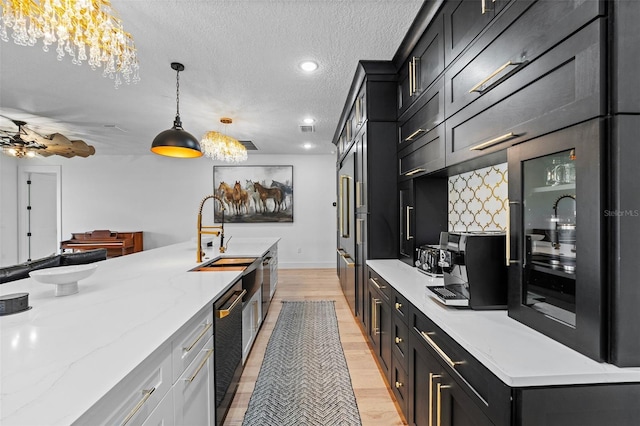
[[464, 20], [427, 195], [400, 351], [369, 116], [625, 57], [422, 67], [379, 327], [563, 87], [424, 119], [425, 155], [526, 30], [557, 281]]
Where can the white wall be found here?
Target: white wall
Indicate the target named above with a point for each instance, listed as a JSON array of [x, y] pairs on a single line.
[[8, 210], [161, 196]]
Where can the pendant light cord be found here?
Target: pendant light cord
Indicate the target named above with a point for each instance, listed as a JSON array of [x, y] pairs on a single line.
[[177, 123]]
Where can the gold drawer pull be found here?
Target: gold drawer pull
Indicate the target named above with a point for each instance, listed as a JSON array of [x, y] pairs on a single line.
[[204, 331], [414, 134], [375, 282], [146, 395], [414, 171], [398, 340], [204, 361], [439, 403], [399, 385], [348, 261], [408, 224], [398, 306], [436, 348], [477, 87], [493, 141], [431, 377]]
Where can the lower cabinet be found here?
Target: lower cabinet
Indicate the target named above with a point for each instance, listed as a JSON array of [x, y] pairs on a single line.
[[194, 391], [379, 328]]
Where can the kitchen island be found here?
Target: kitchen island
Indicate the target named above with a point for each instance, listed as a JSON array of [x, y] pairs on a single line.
[[62, 356]]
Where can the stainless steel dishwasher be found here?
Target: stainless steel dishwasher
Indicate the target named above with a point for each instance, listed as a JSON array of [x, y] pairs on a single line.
[[227, 342]]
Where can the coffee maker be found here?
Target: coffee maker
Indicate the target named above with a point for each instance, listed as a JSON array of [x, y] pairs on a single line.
[[475, 274]]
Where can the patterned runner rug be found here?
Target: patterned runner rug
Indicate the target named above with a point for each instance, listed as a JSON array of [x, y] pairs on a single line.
[[304, 379]]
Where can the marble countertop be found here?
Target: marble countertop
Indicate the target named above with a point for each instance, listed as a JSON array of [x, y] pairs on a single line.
[[515, 353], [60, 357]]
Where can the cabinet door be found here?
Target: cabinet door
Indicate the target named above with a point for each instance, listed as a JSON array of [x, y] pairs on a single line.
[[561, 88], [361, 267], [423, 66], [424, 371], [523, 33], [430, 114], [407, 222], [557, 274], [163, 414], [399, 383], [380, 329], [424, 156], [193, 392], [463, 21], [454, 407]]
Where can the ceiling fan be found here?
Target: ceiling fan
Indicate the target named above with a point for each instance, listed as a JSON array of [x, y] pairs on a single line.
[[25, 142]]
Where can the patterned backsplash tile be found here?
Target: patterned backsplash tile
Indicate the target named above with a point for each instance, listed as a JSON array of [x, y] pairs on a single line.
[[478, 200]]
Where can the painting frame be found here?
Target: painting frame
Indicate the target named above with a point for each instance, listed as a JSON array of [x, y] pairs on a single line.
[[254, 193]]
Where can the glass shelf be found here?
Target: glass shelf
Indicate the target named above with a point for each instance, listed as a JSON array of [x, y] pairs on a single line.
[[565, 187]]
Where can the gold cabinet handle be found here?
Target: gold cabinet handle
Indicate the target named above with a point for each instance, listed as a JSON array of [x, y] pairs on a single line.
[[399, 385], [484, 7], [224, 312], [398, 306], [374, 314], [507, 250], [493, 141], [146, 394], [431, 377], [374, 281], [477, 87], [415, 75], [348, 261], [359, 193], [408, 225], [414, 171], [359, 231], [414, 134], [204, 331], [437, 348], [439, 388], [202, 364], [398, 340]]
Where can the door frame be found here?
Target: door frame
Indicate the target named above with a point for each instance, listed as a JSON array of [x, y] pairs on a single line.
[[23, 172]]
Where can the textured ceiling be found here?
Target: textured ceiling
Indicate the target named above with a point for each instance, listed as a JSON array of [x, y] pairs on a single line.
[[241, 59]]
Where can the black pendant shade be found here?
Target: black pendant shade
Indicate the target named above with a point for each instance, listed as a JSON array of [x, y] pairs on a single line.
[[176, 142]]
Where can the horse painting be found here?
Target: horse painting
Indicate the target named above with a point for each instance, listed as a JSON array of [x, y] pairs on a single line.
[[265, 193], [240, 198]]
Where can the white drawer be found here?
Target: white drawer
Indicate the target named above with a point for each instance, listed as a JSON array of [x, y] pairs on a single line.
[[190, 339], [132, 400]]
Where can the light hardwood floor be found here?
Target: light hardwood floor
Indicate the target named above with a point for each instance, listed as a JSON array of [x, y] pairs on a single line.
[[375, 402]]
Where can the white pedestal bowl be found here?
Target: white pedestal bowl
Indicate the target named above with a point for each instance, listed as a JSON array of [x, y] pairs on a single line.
[[65, 278]]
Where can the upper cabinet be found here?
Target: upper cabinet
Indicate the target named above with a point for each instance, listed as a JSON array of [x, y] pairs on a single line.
[[422, 67]]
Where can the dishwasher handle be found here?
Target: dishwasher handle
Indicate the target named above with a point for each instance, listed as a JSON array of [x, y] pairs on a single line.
[[221, 313]]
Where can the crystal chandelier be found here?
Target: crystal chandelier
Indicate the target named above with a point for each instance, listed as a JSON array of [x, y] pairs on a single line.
[[221, 147], [86, 30]]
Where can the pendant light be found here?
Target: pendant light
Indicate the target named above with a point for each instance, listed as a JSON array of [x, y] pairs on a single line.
[[176, 142]]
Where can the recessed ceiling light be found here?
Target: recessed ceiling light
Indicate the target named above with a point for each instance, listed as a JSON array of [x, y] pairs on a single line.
[[308, 66], [307, 145], [309, 120]]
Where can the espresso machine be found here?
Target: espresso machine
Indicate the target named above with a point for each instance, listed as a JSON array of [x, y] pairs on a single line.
[[475, 274]]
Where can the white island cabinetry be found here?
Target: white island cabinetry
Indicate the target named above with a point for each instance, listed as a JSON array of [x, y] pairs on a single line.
[[134, 346]]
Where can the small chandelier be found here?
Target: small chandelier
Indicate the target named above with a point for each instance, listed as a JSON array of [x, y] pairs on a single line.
[[218, 146], [77, 27], [176, 142]]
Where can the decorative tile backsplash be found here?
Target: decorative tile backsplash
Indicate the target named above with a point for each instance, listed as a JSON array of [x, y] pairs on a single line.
[[478, 200]]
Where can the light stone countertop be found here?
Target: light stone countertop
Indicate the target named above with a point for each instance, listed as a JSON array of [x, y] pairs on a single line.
[[60, 357], [518, 355]]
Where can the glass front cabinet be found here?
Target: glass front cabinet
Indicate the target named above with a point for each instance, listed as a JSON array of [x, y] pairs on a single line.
[[556, 234]]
